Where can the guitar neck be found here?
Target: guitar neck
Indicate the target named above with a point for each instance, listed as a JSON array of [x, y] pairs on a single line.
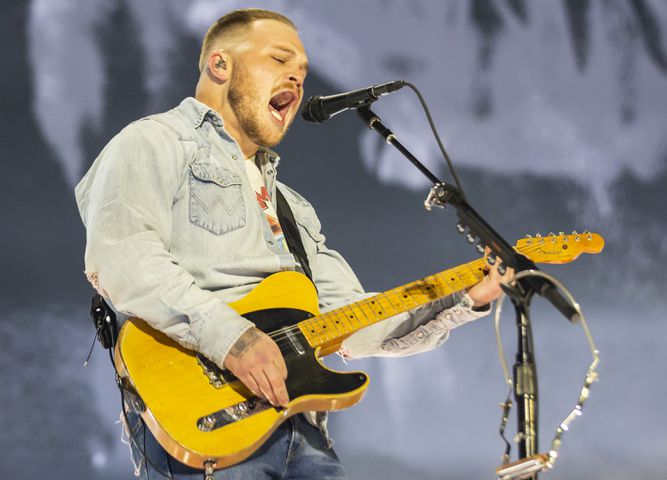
[[330, 329]]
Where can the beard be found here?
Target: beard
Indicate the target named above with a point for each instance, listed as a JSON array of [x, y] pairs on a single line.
[[245, 102]]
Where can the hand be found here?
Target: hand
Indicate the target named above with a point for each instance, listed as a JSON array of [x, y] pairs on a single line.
[[488, 289], [256, 360]]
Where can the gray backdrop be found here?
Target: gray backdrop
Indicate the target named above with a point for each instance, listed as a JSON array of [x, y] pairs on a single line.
[[554, 113]]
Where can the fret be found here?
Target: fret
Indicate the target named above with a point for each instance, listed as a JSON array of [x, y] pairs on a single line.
[[451, 280], [339, 320], [364, 318], [437, 286], [374, 304], [476, 269], [427, 289], [385, 306], [345, 320], [333, 328], [394, 302], [406, 297], [351, 317], [308, 331]]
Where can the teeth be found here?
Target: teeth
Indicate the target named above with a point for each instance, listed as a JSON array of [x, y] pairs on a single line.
[[276, 115]]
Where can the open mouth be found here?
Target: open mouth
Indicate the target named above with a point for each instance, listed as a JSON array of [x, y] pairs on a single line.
[[280, 104]]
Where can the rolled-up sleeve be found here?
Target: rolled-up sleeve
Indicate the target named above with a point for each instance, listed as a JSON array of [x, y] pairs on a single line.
[[125, 202], [419, 330]]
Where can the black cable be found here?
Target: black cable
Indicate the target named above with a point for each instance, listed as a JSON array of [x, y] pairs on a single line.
[[437, 137]]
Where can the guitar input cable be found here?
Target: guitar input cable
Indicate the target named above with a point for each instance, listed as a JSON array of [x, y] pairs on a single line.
[[106, 332], [131, 433]]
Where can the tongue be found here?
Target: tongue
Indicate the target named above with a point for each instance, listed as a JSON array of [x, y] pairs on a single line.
[[280, 100]]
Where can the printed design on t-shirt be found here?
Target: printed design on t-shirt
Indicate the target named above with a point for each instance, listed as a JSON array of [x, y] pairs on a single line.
[[263, 198], [264, 201]]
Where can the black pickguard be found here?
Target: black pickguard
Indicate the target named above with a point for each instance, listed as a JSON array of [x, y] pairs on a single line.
[[305, 374]]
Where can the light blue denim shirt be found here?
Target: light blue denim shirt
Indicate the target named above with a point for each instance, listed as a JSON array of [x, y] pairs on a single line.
[[174, 233]]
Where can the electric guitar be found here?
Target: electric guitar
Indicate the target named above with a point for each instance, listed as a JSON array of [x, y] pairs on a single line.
[[203, 416]]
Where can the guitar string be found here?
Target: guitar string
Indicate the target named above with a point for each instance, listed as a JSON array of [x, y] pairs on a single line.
[[394, 292], [327, 317], [282, 335]]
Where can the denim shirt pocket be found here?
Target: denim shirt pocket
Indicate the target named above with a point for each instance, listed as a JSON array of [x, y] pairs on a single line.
[[216, 198]]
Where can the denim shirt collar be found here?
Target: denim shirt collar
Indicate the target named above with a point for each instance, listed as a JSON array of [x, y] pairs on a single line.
[[198, 113]]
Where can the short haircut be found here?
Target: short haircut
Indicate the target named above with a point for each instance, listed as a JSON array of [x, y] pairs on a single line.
[[233, 20]]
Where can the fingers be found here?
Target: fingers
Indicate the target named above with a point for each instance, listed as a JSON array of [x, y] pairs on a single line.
[[250, 382], [279, 362], [494, 273], [270, 385], [274, 388], [488, 288]]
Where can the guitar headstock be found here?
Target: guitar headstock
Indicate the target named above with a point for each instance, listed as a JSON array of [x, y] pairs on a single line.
[[559, 248]]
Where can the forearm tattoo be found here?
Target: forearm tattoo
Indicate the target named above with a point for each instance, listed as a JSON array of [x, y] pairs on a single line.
[[245, 341]]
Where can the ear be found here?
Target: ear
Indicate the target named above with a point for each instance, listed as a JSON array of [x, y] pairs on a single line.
[[219, 65]]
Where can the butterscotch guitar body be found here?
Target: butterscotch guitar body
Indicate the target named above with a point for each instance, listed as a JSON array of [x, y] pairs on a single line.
[[199, 413]]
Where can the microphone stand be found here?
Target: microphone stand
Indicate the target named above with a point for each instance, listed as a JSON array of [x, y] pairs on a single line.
[[525, 374]]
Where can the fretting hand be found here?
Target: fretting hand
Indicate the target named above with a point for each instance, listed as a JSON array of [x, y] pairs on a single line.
[[488, 289]]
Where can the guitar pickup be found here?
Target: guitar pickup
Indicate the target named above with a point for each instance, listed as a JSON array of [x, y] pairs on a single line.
[[232, 414], [296, 343]]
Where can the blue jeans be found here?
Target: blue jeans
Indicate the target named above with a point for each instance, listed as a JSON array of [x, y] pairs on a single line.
[[296, 451]]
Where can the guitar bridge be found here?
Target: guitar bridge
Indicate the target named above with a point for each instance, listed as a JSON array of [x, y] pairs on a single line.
[[216, 376], [232, 414]]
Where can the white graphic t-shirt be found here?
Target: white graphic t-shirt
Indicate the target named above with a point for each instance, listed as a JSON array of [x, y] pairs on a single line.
[[257, 183]]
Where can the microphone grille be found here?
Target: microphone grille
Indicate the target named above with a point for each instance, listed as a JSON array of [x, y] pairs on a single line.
[[312, 110]]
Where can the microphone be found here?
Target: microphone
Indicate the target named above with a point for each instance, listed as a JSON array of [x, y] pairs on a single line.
[[318, 109]]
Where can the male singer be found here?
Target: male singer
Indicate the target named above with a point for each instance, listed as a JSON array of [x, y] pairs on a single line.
[[181, 218]]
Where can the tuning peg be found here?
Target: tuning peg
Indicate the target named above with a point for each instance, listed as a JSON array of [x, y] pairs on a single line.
[[529, 239], [501, 269], [470, 237], [491, 260], [561, 234], [480, 248], [574, 232], [460, 228], [551, 234]]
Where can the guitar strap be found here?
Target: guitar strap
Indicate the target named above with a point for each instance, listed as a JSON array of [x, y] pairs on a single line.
[[291, 232]]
